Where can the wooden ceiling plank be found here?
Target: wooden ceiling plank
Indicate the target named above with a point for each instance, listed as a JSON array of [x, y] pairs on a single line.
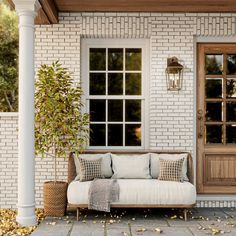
[[41, 18], [146, 5], [50, 10]]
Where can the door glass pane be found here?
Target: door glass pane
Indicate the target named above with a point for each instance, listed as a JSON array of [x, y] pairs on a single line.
[[115, 59], [97, 135], [115, 110], [115, 84], [231, 64], [231, 111], [231, 133], [133, 135], [214, 64], [133, 83], [213, 111], [97, 59], [133, 59], [97, 110], [115, 135], [97, 84], [231, 88], [213, 88], [213, 133], [133, 110]]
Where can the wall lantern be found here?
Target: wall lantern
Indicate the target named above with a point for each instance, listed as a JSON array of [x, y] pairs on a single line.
[[174, 74]]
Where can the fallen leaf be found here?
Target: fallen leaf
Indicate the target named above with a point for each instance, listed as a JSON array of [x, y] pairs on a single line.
[[125, 234], [141, 230], [158, 230]]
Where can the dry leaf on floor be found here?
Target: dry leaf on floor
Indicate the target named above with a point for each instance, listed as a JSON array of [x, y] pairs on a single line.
[[141, 230], [173, 217], [125, 234], [158, 230]]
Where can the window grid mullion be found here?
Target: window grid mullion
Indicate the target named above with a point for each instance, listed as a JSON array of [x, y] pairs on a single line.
[[123, 122], [123, 98], [106, 131]]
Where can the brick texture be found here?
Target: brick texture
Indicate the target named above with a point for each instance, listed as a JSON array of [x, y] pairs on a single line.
[[171, 113]]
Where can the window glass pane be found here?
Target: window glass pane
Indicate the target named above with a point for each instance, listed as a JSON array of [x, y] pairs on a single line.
[[213, 111], [115, 110], [231, 111], [214, 64], [231, 88], [214, 134], [115, 135], [97, 84], [97, 135], [115, 59], [133, 83], [97, 110], [231, 64], [214, 88], [133, 135], [231, 133], [97, 59], [133, 59], [115, 84], [133, 110]]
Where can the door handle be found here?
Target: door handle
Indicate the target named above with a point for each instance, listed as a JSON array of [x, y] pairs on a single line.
[[200, 122]]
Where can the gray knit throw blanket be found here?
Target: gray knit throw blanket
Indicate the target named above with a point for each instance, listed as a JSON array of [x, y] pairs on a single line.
[[102, 193]]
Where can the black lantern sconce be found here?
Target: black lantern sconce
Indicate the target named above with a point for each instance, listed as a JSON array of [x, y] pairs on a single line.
[[174, 74]]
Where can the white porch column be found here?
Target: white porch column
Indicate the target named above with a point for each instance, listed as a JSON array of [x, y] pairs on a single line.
[[26, 10]]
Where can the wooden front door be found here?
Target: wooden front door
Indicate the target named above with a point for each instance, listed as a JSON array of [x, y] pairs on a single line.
[[216, 118]]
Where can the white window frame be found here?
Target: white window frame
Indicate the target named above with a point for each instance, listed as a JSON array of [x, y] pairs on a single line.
[[86, 44]]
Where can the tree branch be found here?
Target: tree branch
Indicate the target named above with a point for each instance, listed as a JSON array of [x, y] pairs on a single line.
[[8, 102]]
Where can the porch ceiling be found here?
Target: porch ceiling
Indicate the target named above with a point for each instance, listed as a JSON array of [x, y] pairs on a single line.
[[48, 14]]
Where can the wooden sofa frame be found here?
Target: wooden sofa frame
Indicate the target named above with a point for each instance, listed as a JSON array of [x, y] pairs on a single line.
[[190, 174]]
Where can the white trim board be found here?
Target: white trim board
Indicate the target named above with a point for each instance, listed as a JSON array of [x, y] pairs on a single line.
[[215, 39]]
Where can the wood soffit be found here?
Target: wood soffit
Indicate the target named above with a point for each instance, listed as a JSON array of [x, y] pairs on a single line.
[[48, 14]]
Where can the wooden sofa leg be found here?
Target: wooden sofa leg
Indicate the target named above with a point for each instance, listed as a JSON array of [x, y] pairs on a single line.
[[77, 213], [185, 214]]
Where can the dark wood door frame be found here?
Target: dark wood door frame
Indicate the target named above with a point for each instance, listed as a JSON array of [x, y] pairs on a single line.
[[216, 163]]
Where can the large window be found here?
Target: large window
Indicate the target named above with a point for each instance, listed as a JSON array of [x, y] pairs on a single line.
[[114, 75]]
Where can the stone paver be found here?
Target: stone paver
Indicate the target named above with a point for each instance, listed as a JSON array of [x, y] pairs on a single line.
[[92, 223]]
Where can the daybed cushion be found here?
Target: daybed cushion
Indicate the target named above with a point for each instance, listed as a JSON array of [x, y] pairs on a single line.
[[106, 163], [155, 163], [131, 166], [140, 192]]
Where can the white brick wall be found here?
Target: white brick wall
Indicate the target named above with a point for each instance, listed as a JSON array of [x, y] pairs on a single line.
[[171, 113]]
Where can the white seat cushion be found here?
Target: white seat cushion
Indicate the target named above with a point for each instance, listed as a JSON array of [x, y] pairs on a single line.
[[140, 192]]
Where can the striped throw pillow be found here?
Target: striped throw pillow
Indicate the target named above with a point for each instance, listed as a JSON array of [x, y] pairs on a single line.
[[171, 170], [90, 169]]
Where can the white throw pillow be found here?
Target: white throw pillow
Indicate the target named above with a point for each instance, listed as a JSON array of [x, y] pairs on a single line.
[[155, 164], [106, 163], [131, 166]]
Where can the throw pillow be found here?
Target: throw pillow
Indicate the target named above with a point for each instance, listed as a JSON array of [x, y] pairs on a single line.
[[131, 166], [155, 163], [171, 170], [90, 169], [106, 163]]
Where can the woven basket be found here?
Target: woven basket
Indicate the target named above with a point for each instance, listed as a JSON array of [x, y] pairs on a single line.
[[54, 197]]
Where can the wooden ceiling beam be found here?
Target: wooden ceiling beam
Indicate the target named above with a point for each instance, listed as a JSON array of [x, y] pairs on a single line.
[[146, 5], [50, 10]]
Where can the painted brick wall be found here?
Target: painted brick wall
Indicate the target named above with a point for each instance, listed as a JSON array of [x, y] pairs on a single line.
[[171, 113]]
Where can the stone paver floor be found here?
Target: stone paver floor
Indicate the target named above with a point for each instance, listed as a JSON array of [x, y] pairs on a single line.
[[134, 222]]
